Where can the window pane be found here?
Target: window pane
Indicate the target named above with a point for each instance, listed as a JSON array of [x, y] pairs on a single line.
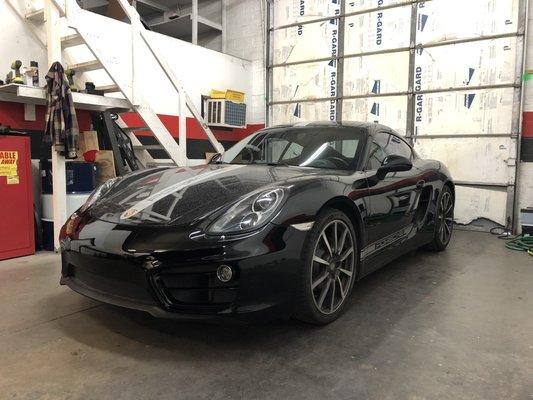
[[361, 5], [470, 159], [376, 157], [479, 111], [292, 11], [294, 150], [387, 29], [302, 112], [390, 111], [347, 148], [481, 63], [292, 44], [304, 81], [440, 20], [384, 73], [316, 147], [397, 147]]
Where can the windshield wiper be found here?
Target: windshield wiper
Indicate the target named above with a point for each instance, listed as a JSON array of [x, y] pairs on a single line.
[[273, 164]]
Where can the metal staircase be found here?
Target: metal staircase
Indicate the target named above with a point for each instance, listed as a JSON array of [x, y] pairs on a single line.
[[79, 21]]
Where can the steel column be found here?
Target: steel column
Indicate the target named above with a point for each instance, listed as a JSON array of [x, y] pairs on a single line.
[[268, 56], [521, 67], [411, 101], [194, 20], [340, 62]]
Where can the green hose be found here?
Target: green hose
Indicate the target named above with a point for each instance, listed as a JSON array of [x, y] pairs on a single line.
[[521, 243]]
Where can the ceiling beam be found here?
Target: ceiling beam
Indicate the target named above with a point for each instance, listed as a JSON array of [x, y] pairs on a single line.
[[91, 4], [155, 5]]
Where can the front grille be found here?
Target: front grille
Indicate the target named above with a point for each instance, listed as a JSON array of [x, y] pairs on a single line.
[[194, 289], [110, 276]]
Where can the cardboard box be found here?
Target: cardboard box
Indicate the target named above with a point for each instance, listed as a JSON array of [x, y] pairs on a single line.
[[105, 166], [88, 141]]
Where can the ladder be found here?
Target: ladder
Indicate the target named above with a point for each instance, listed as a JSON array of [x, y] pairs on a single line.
[[76, 19]]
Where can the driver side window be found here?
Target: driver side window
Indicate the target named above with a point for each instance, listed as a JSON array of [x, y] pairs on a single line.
[[384, 144], [393, 145], [376, 157]]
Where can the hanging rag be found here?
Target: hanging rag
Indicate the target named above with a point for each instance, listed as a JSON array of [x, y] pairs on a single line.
[[61, 122]]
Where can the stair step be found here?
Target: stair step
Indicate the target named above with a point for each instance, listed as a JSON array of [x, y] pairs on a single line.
[[86, 66], [148, 147], [137, 129], [36, 16], [108, 88], [71, 40]]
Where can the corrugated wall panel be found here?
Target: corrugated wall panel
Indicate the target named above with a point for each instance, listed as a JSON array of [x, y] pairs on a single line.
[[298, 112], [464, 72], [390, 111], [470, 159]]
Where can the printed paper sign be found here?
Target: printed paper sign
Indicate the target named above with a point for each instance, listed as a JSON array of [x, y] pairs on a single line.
[[9, 167]]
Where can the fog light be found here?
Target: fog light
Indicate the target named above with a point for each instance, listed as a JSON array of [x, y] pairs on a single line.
[[224, 273]]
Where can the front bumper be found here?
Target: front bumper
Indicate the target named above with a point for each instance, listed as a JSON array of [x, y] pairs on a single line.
[[183, 283]]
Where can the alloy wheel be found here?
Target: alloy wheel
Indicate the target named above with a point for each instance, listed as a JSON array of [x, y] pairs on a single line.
[[333, 266], [445, 218]]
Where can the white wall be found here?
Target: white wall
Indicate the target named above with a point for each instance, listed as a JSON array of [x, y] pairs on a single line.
[[18, 43], [245, 38], [199, 69]]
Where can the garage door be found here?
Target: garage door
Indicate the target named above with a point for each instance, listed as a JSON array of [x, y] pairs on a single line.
[[447, 74]]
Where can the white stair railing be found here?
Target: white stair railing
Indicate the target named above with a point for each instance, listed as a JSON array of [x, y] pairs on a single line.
[[89, 35], [77, 19]]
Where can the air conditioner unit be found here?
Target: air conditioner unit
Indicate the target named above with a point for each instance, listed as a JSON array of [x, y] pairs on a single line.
[[225, 113]]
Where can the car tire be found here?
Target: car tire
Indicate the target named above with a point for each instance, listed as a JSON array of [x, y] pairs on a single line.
[[325, 285], [443, 221]]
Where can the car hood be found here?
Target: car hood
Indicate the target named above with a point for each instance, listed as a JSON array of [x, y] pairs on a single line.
[[183, 196]]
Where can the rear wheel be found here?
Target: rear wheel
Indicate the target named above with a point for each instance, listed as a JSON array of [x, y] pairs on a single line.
[[443, 221], [329, 269]]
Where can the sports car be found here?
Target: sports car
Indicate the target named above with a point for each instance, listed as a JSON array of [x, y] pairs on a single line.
[[280, 225]]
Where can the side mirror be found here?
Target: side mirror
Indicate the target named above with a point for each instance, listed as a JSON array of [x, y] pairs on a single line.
[[394, 164]]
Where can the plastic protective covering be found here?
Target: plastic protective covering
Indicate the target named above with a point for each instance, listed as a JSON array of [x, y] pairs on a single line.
[[384, 78]]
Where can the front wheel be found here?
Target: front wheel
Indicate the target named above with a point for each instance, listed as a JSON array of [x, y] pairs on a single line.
[[329, 269], [443, 221]]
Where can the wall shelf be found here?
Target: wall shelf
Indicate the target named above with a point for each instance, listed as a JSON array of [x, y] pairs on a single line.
[[83, 101]]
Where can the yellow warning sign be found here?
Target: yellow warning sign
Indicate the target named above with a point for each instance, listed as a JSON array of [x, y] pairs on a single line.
[[8, 166]]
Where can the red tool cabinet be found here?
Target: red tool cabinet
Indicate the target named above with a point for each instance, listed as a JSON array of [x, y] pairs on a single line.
[[17, 237]]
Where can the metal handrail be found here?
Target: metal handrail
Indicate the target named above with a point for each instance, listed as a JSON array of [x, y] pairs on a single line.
[[135, 20]]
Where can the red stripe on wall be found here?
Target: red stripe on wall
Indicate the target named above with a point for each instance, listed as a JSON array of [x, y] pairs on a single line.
[[12, 115], [527, 127], [194, 131]]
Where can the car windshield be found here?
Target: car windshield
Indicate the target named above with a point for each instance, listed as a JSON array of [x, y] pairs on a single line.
[[317, 147]]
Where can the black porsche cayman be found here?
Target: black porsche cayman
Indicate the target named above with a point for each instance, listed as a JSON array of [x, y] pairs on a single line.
[[282, 224]]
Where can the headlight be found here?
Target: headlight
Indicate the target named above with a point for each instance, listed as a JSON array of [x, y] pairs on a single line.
[[97, 193], [250, 213]]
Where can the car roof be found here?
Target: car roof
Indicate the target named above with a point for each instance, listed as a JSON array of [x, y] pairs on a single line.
[[370, 127]]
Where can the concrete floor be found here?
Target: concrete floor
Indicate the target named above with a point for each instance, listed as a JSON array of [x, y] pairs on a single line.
[[454, 325]]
